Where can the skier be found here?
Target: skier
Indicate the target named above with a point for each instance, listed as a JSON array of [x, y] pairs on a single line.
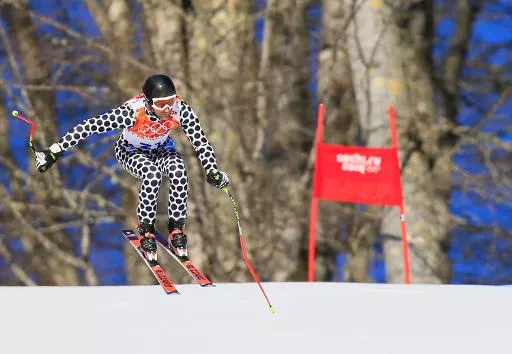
[[146, 151]]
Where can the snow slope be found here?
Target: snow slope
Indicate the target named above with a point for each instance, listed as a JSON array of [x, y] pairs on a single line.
[[234, 318]]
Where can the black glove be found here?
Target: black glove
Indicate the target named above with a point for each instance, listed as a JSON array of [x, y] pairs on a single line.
[[46, 158], [218, 179]]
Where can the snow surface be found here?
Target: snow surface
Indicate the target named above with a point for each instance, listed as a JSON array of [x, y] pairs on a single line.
[[234, 318]]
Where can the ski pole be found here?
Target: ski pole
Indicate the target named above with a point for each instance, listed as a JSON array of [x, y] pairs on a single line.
[[242, 245], [32, 127]]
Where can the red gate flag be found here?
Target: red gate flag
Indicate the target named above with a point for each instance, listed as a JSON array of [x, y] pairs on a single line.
[[358, 175]]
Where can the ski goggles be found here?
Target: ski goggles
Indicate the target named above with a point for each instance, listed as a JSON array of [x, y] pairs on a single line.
[[164, 102]]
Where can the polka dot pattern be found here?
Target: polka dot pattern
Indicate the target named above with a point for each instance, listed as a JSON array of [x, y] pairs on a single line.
[[192, 128], [170, 162], [150, 165], [140, 165], [117, 118]]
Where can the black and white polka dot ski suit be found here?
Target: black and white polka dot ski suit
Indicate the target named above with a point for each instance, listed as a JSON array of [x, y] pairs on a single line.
[[147, 152]]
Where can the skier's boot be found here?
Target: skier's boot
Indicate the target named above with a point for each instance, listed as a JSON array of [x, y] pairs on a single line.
[[148, 241], [178, 239]]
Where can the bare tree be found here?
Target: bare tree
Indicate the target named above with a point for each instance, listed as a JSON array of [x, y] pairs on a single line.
[[114, 19], [475, 89], [342, 227], [41, 106], [426, 204], [252, 92], [392, 56]]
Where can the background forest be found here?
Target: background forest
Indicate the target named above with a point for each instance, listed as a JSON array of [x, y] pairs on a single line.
[[254, 71]]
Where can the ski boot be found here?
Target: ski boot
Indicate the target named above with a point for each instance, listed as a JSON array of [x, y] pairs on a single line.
[[177, 242], [148, 241]]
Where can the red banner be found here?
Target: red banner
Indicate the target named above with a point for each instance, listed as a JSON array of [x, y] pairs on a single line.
[[357, 175]]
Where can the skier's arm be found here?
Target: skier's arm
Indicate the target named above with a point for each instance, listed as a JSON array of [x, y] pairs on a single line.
[[195, 134], [116, 118], [204, 151], [120, 117]]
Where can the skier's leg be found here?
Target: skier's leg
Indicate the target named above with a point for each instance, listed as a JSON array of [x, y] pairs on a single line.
[[171, 164], [140, 165]]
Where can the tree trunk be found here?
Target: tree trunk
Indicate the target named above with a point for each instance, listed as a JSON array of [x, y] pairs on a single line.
[[221, 37], [167, 34], [243, 138], [427, 212], [286, 123], [335, 89], [369, 47], [114, 21], [393, 66]]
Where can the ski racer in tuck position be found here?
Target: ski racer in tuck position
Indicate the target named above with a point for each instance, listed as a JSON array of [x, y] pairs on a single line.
[[146, 151]]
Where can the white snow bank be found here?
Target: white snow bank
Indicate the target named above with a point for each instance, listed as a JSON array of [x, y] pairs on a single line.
[[234, 318]]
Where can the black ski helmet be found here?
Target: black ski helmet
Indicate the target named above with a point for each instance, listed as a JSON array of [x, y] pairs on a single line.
[[158, 86]]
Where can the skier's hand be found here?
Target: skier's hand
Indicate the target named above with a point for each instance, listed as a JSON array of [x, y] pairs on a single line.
[[46, 158], [218, 179]]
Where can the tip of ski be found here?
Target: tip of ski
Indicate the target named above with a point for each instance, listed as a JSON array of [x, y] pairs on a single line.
[[211, 285], [172, 292]]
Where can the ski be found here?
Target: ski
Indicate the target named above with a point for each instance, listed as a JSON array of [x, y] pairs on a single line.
[[154, 266], [189, 267]]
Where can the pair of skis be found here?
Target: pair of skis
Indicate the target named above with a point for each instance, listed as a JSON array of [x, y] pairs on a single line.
[[157, 270]]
